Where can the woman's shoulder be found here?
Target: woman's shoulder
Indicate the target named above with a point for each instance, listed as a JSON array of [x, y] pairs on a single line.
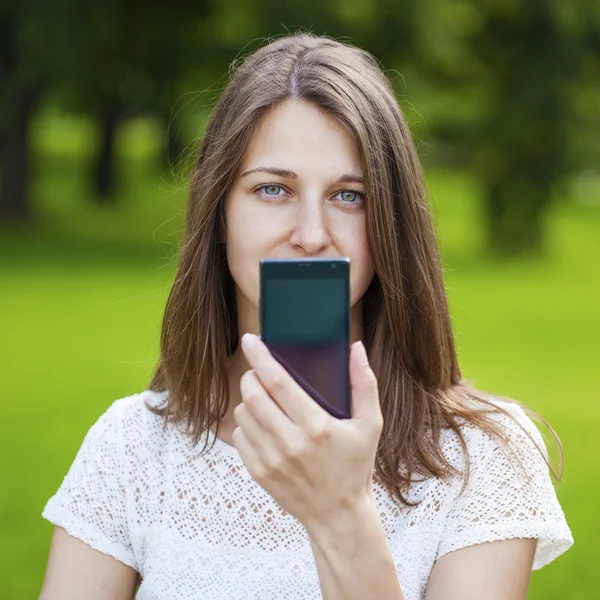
[[509, 492], [133, 409], [90, 503], [522, 437], [129, 420]]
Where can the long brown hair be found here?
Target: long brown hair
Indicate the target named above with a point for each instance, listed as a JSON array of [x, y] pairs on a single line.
[[407, 327]]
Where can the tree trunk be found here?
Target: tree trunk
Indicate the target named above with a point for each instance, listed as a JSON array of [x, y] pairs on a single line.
[[104, 170], [522, 141], [15, 203], [514, 213]]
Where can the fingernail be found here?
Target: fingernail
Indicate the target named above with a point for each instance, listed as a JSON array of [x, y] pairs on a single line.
[[248, 340], [362, 353]]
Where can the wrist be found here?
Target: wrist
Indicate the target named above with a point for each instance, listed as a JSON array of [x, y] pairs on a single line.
[[345, 522]]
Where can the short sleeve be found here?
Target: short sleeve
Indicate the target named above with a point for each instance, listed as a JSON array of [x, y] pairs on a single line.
[[90, 504], [500, 502]]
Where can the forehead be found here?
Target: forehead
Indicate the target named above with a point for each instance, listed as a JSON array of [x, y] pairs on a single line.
[[297, 135]]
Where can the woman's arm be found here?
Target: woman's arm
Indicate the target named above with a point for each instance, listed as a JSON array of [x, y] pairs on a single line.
[[354, 562], [498, 570], [353, 558], [75, 570]]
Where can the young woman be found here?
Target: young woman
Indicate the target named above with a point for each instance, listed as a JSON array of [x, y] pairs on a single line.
[[307, 154]]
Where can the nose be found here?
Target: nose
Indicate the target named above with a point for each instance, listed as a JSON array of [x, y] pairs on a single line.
[[310, 234]]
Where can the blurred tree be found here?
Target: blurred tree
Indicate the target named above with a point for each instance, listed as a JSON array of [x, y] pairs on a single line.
[[132, 59], [513, 62], [16, 102], [30, 47], [521, 145], [121, 59], [501, 81], [583, 91]]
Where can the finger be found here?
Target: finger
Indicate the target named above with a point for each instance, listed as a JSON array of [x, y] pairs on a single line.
[[264, 458], [265, 411], [281, 386], [365, 395], [260, 440], [247, 451]]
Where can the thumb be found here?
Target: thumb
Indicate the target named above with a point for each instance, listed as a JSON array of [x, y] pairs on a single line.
[[365, 397]]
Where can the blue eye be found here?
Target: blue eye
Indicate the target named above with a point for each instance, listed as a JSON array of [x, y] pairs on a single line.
[[351, 199], [347, 198], [271, 187], [352, 193], [269, 190]]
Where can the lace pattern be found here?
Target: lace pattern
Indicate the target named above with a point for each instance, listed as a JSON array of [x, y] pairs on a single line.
[[200, 526]]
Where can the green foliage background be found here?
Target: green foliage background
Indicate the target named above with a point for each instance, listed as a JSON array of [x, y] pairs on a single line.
[[503, 100], [83, 294]]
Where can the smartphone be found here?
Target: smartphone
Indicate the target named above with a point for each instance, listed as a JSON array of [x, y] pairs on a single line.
[[305, 323]]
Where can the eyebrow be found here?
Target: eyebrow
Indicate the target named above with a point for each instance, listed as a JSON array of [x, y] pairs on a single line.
[[286, 173]]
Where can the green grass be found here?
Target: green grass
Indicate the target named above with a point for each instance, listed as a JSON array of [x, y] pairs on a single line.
[[82, 298]]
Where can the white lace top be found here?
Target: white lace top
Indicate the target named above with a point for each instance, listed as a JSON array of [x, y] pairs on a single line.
[[202, 528]]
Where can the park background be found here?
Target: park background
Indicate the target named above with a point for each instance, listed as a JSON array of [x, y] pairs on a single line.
[[102, 105]]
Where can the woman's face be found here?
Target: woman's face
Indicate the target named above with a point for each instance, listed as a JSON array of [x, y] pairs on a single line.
[[298, 194]]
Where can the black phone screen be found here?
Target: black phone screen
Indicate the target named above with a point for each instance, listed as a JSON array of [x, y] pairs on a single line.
[[305, 323]]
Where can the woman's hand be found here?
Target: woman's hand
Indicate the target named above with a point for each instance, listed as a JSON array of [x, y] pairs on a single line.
[[314, 465]]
